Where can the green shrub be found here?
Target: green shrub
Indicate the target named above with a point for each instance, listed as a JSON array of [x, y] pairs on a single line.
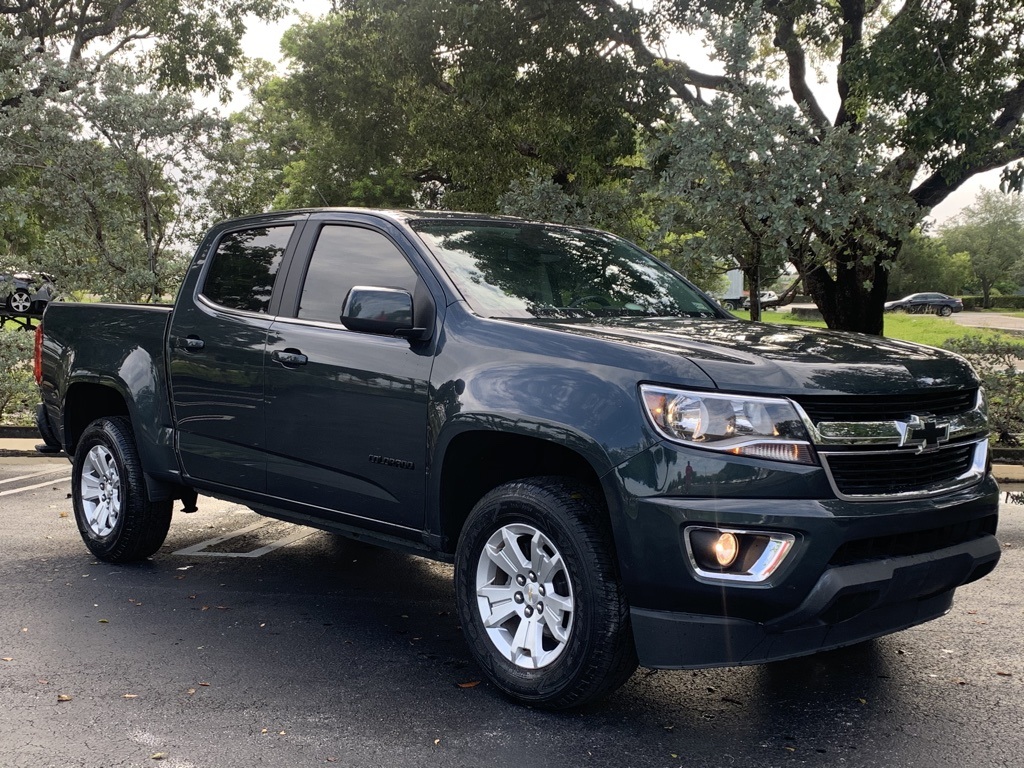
[[18, 393], [1013, 301], [996, 361]]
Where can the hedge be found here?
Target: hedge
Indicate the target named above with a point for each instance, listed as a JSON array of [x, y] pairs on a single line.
[[998, 302]]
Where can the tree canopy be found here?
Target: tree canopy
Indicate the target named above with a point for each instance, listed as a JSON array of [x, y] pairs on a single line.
[[991, 233], [822, 135], [101, 148]]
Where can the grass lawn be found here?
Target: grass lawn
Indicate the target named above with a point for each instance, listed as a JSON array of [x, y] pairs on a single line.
[[922, 329]]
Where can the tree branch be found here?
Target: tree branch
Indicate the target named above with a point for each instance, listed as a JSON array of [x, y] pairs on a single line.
[[938, 187], [853, 36], [786, 40]]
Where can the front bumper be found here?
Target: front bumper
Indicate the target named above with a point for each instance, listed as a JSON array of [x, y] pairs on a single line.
[[857, 569], [848, 604]]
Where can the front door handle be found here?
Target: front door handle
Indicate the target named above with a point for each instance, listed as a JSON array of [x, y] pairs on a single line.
[[189, 343], [289, 358]]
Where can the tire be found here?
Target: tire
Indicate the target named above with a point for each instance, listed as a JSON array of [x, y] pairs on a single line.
[[945, 310], [115, 516], [729, 305], [45, 430], [536, 541], [19, 302]]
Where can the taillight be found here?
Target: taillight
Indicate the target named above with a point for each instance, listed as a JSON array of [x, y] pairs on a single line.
[[37, 357]]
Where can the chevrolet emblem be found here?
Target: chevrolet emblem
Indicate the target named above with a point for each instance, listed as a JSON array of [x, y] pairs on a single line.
[[924, 435]]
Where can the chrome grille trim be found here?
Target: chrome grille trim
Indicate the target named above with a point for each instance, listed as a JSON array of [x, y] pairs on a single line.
[[971, 475]]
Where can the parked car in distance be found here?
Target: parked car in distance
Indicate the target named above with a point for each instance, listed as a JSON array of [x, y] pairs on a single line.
[[919, 303], [27, 294], [769, 300]]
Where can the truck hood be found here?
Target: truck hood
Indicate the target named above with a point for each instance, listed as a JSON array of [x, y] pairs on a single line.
[[759, 357]]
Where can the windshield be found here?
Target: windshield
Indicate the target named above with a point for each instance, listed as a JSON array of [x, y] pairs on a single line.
[[521, 270]]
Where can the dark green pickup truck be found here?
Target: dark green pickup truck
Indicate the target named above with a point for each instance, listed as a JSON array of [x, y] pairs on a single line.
[[621, 472]]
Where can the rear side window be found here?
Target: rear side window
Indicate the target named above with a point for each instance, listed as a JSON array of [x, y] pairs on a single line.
[[244, 268], [347, 256]]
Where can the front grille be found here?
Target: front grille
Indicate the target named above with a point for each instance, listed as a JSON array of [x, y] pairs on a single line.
[[887, 407], [885, 473], [914, 542]]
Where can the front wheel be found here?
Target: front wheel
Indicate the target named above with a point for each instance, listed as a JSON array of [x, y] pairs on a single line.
[[20, 301], [118, 521], [539, 597]]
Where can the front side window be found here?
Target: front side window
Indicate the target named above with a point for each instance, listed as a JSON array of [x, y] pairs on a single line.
[[524, 270], [244, 268], [347, 256]]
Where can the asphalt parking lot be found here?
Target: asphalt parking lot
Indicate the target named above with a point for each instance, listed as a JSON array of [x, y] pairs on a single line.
[[245, 642]]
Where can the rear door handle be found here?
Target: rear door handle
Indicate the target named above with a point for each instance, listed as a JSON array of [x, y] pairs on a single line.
[[289, 358], [189, 343]]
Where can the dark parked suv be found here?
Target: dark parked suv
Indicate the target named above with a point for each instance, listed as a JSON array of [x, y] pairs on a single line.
[[919, 303]]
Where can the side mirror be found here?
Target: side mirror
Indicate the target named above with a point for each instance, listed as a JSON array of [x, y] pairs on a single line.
[[385, 311]]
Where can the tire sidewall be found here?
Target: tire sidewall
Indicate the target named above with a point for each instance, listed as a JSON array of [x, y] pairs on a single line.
[[561, 675], [102, 433]]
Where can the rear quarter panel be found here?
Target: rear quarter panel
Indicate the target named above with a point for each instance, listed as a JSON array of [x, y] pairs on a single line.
[[120, 347]]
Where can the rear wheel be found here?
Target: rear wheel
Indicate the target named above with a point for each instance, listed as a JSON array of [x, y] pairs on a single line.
[[115, 516], [539, 596], [945, 310]]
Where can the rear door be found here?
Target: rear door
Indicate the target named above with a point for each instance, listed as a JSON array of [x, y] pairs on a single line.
[[217, 338], [346, 412]]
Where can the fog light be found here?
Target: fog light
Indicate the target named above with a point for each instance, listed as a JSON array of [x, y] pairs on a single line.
[[736, 555], [727, 547]]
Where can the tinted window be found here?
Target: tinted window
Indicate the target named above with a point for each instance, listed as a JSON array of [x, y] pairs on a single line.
[[245, 268], [345, 257], [527, 270]]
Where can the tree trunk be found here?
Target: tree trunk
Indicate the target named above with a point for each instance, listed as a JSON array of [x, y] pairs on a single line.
[[845, 301], [986, 294], [753, 275]]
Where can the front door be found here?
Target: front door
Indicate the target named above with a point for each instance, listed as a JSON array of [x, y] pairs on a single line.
[[346, 412]]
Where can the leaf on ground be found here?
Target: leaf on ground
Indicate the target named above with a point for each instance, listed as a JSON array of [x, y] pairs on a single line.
[[7, 658], [63, 697], [469, 684], [1001, 674], [205, 685], [263, 730], [437, 742], [130, 696], [63, 514], [191, 691], [104, 621], [158, 756]]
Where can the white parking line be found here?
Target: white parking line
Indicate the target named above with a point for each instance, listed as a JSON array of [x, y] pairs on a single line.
[[33, 487], [197, 549], [34, 474]]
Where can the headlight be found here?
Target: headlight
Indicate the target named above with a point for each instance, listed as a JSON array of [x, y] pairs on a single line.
[[760, 427]]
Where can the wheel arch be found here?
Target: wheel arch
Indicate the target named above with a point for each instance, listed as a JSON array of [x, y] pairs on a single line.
[[86, 400], [474, 461]]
